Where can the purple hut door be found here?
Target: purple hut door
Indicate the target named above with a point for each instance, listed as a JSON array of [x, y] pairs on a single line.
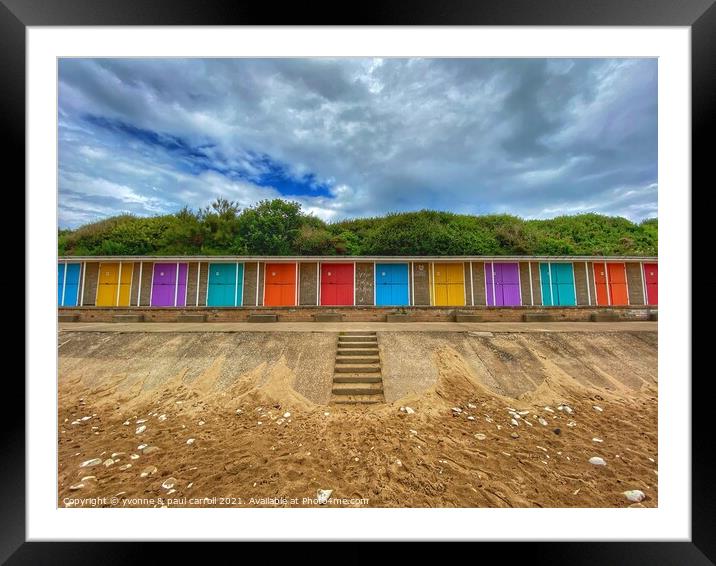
[[510, 285], [506, 291], [181, 290], [492, 288], [164, 287]]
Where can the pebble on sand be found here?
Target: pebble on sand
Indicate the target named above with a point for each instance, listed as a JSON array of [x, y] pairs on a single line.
[[169, 483], [480, 436], [141, 447], [148, 471], [457, 410], [407, 410], [108, 462], [635, 495], [286, 415], [134, 456], [190, 440], [470, 418], [125, 467], [140, 429], [514, 422], [515, 435], [597, 439], [598, 409], [90, 463], [323, 496], [471, 406], [542, 421], [150, 450], [597, 461], [77, 486]]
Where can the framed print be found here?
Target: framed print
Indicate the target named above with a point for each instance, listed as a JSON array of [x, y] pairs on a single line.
[[394, 278]]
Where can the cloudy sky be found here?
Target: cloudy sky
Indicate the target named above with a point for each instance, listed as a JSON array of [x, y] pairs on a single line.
[[358, 137]]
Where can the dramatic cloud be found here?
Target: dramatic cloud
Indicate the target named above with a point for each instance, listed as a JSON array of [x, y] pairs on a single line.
[[359, 137]]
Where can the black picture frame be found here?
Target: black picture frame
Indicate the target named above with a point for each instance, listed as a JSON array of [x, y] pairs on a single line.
[[699, 15]]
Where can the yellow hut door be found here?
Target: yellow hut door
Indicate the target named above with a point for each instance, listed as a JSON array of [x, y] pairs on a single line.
[[440, 284], [456, 284], [125, 284], [107, 285], [109, 281]]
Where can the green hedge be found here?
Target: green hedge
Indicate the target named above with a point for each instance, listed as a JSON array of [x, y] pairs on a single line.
[[279, 227]]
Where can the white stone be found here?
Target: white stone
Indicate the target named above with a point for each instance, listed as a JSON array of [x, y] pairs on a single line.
[[115, 454], [141, 447], [108, 462], [595, 439], [201, 423], [523, 413], [326, 414], [409, 410], [190, 441], [126, 423], [162, 417], [134, 456], [90, 463], [470, 418], [323, 495], [140, 429], [239, 411], [140, 421], [549, 409], [457, 410], [77, 486], [568, 409], [542, 421], [413, 431], [634, 495], [169, 483], [125, 467], [398, 463], [286, 415], [514, 422], [597, 461], [598, 409], [85, 418], [472, 406], [148, 471], [528, 423], [571, 424], [480, 436]]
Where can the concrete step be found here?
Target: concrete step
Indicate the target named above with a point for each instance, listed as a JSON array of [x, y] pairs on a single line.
[[358, 359], [260, 317], [358, 400], [469, 317], [538, 317], [68, 317], [191, 317], [342, 352], [328, 317], [356, 378], [343, 389], [357, 368], [351, 339], [357, 345], [357, 333], [128, 318]]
